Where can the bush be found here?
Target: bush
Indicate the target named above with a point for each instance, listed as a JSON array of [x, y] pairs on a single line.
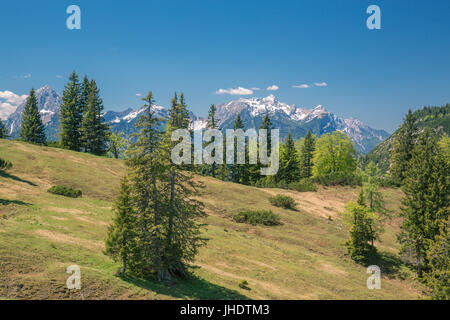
[[303, 185], [264, 217], [285, 202], [338, 178], [65, 191], [4, 165]]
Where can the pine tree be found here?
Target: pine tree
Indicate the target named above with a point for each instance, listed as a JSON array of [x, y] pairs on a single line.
[[71, 115], [145, 170], [364, 228], [85, 89], [238, 172], [426, 199], [3, 131], [403, 146], [212, 124], [121, 241], [94, 131], [183, 232], [32, 129], [289, 163], [438, 256], [306, 155], [371, 177]]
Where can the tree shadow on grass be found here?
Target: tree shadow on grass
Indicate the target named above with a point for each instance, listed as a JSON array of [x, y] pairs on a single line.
[[16, 178], [389, 263], [192, 287], [18, 202]]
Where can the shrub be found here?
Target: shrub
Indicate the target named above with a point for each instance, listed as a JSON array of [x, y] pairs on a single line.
[[65, 191], [285, 202], [303, 185], [244, 284], [264, 217], [4, 165], [339, 178]]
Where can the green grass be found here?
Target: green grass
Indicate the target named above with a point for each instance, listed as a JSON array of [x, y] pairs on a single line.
[[41, 234]]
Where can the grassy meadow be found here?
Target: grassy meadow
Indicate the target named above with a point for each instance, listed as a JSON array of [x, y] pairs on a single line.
[[41, 234]]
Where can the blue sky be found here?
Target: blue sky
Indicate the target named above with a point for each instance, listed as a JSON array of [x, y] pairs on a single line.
[[199, 47]]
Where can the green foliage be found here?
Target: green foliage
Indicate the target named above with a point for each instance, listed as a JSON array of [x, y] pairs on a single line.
[[289, 170], [444, 144], [403, 146], [426, 201], [304, 185], [334, 159], [121, 241], [65, 191], [71, 113], [3, 131], [116, 145], [264, 217], [438, 255], [168, 236], [364, 228], [32, 129], [285, 202], [239, 173], [307, 147], [93, 130], [371, 178]]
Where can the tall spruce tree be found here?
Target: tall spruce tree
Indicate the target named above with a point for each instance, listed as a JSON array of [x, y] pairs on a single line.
[[212, 124], [94, 131], [403, 146], [238, 172], [289, 163], [121, 241], [71, 115], [306, 155], [426, 200], [182, 231], [85, 89], [145, 170], [371, 177], [32, 129]]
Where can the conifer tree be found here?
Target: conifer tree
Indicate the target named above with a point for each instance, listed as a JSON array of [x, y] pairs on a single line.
[[182, 231], [238, 172], [84, 93], [438, 255], [94, 131], [289, 163], [145, 170], [403, 146], [371, 183], [426, 200], [71, 115], [121, 241], [3, 131], [364, 228], [212, 124], [32, 129], [306, 155]]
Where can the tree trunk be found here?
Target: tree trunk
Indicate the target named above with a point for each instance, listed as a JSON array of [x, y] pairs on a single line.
[[124, 265], [419, 262], [172, 196]]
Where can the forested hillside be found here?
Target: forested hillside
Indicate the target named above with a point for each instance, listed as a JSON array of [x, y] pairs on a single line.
[[437, 118]]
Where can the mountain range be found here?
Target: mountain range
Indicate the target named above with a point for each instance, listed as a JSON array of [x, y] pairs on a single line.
[[288, 118]]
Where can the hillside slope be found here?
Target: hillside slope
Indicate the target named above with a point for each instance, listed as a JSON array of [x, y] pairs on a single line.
[[42, 234]]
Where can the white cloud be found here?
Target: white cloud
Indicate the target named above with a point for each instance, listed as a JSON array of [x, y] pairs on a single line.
[[138, 94], [256, 89], [235, 91], [9, 102], [301, 86], [58, 76], [273, 88], [321, 84]]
